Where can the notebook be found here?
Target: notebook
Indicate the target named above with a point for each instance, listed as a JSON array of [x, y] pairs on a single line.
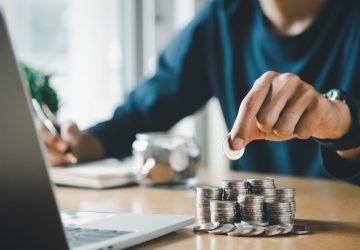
[[100, 174]]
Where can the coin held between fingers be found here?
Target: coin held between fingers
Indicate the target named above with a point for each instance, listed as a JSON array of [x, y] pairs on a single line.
[[229, 152]]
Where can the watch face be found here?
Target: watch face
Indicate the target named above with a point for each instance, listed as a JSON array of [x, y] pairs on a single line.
[[334, 95]]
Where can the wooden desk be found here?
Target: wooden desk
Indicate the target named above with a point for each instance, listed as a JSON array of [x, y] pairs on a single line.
[[330, 208]]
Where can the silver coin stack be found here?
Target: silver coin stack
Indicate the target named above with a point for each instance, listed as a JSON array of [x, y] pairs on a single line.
[[204, 195], [283, 210], [252, 209], [232, 189], [247, 208], [280, 213], [265, 186], [224, 211], [287, 195]]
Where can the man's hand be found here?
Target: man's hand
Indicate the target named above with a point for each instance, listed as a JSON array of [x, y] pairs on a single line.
[[281, 107], [56, 146], [85, 145]]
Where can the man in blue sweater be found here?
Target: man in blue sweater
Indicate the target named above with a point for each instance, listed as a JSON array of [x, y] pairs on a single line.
[[269, 63]]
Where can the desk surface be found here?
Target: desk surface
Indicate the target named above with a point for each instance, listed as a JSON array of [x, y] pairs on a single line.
[[330, 208]]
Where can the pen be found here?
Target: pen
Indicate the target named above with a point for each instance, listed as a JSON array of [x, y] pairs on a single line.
[[53, 128]]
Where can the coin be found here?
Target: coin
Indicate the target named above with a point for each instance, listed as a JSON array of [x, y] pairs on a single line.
[[287, 228], [241, 230], [198, 229], [209, 226], [179, 161], [206, 227], [229, 152], [300, 229], [223, 229], [258, 230], [273, 230]]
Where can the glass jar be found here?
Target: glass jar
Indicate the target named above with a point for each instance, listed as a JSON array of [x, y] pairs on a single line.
[[165, 159]]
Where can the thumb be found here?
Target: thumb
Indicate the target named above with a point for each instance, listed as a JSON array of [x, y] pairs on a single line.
[[70, 132], [239, 141]]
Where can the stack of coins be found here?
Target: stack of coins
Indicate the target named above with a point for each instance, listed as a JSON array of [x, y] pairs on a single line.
[[247, 208], [252, 210], [204, 195], [234, 188], [224, 211], [264, 186], [280, 213], [287, 195]]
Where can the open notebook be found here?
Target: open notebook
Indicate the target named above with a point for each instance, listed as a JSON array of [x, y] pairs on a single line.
[[101, 174]]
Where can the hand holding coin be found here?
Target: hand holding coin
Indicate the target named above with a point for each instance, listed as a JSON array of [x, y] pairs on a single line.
[[281, 107]]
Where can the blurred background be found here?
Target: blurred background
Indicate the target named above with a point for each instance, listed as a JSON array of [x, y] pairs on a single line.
[[99, 50]]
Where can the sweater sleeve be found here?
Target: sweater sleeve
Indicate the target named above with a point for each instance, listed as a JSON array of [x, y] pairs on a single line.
[[179, 87], [340, 168], [335, 165]]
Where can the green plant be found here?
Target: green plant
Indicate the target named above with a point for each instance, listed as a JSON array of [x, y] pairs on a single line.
[[40, 88]]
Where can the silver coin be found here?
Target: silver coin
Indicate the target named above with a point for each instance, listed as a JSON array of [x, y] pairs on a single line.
[[300, 229], [198, 229], [229, 152], [209, 226], [258, 230], [179, 161], [287, 228], [223, 229], [260, 223], [273, 230], [241, 230]]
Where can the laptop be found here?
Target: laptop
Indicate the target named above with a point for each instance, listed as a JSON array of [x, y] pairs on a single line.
[[29, 215]]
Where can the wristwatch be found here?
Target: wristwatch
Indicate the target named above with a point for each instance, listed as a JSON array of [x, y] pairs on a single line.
[[335, 95], [352, 138]]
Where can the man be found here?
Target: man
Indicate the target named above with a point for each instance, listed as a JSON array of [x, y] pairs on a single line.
[[272, 58]]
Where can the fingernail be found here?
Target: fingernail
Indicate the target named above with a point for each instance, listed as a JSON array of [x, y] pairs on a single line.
[[62, 146], [71, 136], [238, 143]]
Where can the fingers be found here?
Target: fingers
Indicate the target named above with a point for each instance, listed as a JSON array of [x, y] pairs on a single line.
[[279, 107], [54, 141], [241, 131], [291, 114], [57, 147], [283, 89], [71, 133], [57, 158], [309, 121]]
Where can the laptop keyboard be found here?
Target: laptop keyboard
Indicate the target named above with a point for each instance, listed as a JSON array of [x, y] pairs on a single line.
[[81, 236]]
